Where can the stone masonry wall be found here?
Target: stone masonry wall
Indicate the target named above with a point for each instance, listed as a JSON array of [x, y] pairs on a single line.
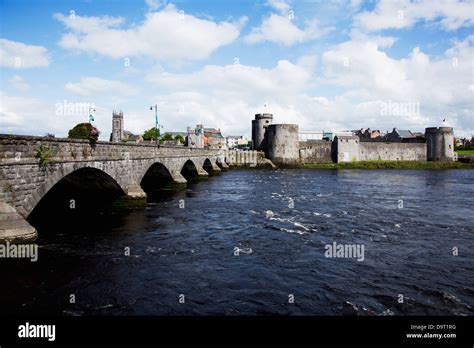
[[373, 151], [315, 151]]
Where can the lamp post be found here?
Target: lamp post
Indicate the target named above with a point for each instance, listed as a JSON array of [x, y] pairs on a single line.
[[156, 120], [91, 115]]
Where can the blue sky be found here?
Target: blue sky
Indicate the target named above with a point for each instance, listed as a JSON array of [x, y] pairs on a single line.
[[325, 65]]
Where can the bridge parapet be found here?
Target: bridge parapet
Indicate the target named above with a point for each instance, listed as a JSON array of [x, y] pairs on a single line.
[[25, 150]]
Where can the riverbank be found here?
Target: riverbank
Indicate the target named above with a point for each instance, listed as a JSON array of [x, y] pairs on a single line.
[[391, 165], [465, 152]]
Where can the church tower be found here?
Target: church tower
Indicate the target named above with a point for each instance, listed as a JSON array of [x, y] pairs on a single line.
[[117, 127]]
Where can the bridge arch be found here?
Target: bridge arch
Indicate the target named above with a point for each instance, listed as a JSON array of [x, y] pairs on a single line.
[[155, 177], [207, 166], [189, 170], [78, 175]]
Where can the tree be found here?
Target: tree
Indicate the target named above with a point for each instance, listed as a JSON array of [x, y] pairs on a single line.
[[166, 137], [151, 134], [179, 137], [84, 131]]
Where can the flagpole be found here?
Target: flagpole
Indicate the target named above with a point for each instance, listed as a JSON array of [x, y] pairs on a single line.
[[156, 121]]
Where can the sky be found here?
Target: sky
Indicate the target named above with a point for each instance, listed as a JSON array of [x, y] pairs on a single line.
[[324, 65]]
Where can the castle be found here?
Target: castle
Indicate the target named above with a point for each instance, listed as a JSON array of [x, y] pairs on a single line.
[[280, 143]]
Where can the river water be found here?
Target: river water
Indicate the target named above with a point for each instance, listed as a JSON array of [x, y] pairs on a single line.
[[252, 241]]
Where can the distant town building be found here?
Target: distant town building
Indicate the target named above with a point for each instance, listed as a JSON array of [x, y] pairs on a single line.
[[368, 133], [236, 141], [201, 137], [117, 134], [244, 143], [331, 135], [310, 135], [233, 140], [131, 138], [213, 139], [195, 137], [403, 136]]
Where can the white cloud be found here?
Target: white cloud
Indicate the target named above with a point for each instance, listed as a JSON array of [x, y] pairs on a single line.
[[389, 14], [440, 86], [18, 55], [279, 5], [168, 35], [20, 115], [19, 83], [154, 4], [93, 85], [228, 96], [281, 29]]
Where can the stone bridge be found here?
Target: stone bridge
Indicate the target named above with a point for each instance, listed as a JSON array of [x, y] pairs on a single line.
[[31, 166]]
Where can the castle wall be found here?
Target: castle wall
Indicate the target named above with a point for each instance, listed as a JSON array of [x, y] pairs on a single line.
[[346, 149], [374, 151], [315, 151]]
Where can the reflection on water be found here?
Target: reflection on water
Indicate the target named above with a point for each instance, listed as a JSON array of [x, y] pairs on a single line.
[[280, 249]]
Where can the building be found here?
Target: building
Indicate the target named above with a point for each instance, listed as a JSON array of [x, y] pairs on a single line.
[[195, 137], [131, 138], [310, 135], [331, 135], [400, 136], [237, 141], [233, 140], [201, 137], [117, 134], [368, 134], [244, 143], [213, 139]]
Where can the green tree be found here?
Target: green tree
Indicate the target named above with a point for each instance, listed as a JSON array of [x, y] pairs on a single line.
[[179, 137], [166, 137], [84, 131], [151, 134]]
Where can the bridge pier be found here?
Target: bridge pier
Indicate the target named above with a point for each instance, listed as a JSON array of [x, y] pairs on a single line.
[[222, 165], [135, 191], [13, 227], [203, 175], [178, 178], [215, 168]]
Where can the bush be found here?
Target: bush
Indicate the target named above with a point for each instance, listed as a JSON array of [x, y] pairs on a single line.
[[84, 131]]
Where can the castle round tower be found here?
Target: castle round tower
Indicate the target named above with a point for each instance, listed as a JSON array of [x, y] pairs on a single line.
[[259, 125], [283, 144], [439, 144]]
